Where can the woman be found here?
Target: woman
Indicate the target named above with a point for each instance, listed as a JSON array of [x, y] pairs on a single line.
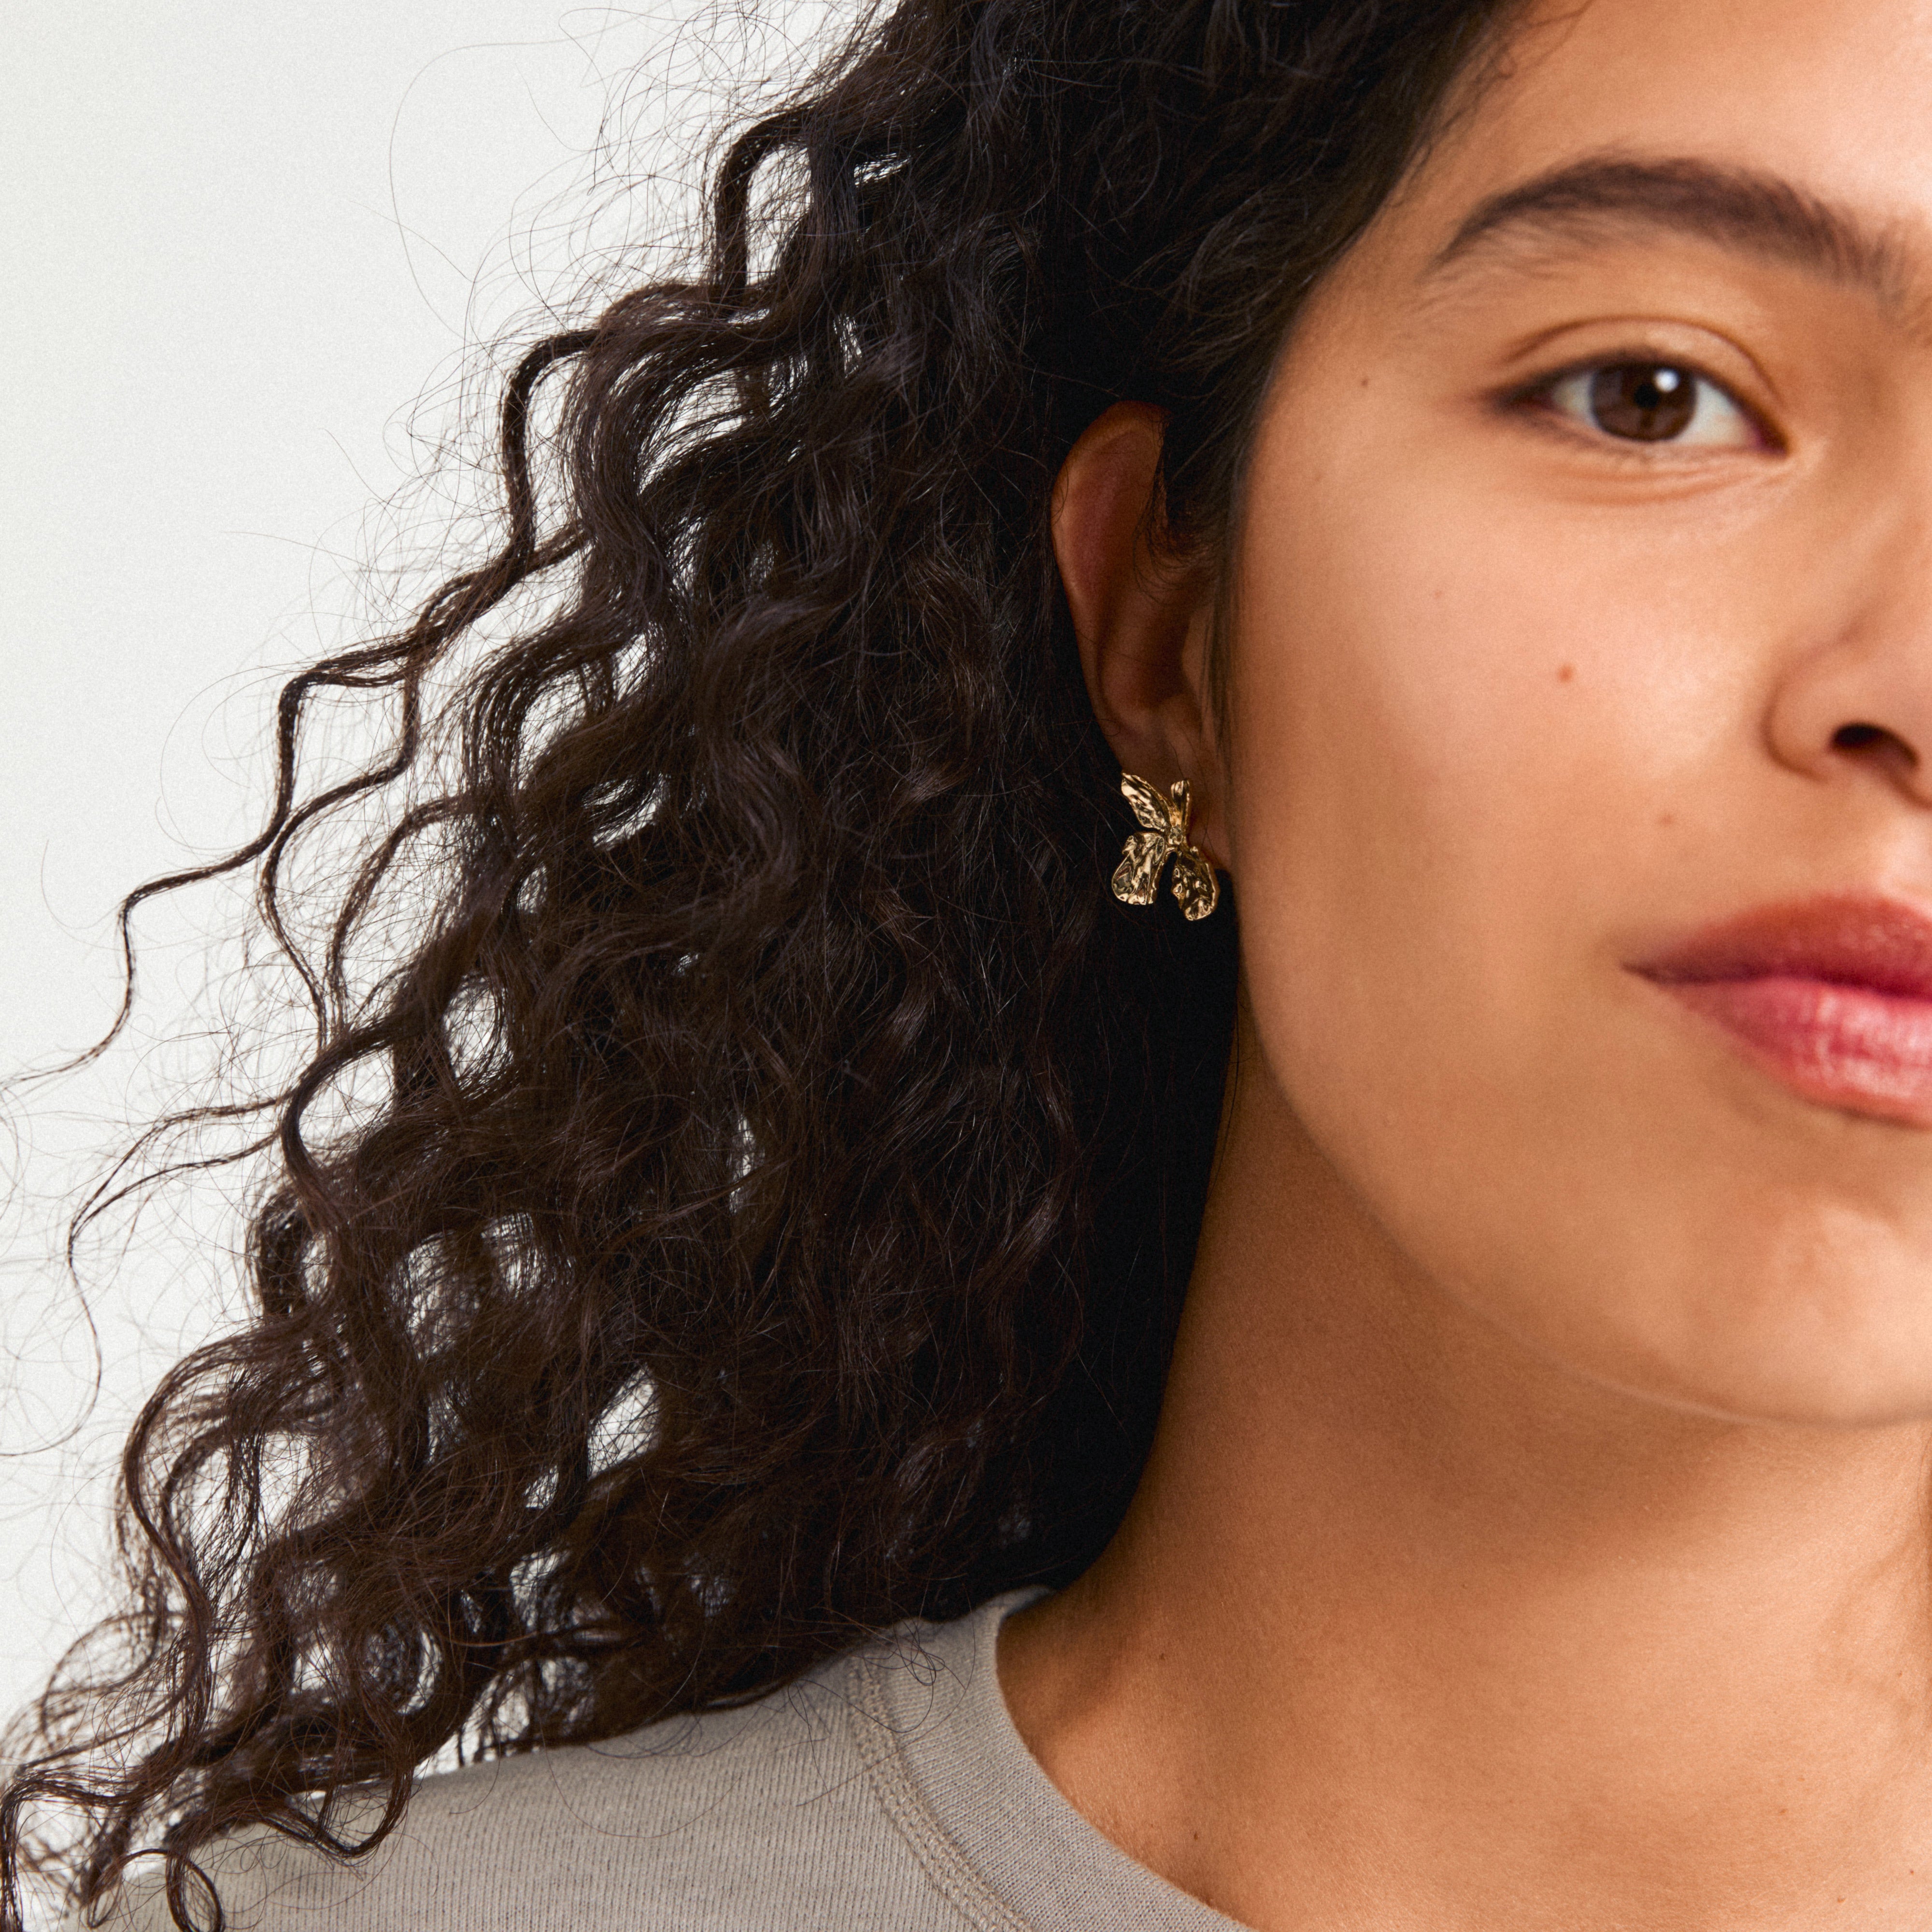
[[1461, 471]]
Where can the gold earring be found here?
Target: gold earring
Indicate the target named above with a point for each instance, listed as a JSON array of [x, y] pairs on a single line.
[[1138, 874]]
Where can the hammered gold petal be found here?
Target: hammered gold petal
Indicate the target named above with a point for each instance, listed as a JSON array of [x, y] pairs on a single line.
[[1180, 809], [1195, 884], [1138, 872], [1149, 807]]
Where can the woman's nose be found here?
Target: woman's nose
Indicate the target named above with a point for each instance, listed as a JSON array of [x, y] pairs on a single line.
[[1860, 706]]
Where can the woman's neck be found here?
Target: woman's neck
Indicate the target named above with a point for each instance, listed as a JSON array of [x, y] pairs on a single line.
[[1407, 1626]]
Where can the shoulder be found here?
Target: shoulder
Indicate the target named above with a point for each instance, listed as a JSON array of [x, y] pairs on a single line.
[[774, 1815]]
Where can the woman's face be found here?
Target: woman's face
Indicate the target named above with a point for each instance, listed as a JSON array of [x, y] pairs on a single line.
[[1580, 803]]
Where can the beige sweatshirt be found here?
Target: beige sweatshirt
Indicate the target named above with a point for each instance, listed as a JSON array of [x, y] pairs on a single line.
[[889, 1792]]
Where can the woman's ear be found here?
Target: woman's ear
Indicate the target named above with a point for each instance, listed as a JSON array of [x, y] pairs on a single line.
[[1141, 615]]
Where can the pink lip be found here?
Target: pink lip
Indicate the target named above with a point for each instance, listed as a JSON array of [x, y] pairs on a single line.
[[1833, 996]]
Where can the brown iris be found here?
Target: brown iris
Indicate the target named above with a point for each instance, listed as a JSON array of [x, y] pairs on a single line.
[[1647, 402]]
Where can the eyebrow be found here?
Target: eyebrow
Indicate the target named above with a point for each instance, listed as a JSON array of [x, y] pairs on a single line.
[[1737, 208]]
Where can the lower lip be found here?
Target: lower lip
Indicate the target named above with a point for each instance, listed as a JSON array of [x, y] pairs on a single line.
[[1847, 1047]]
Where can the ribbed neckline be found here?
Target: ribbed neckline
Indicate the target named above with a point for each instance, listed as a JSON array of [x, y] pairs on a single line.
[[990, 1827]]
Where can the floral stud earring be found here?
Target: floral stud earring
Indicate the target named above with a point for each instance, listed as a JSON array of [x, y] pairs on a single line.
[[1138, 874]]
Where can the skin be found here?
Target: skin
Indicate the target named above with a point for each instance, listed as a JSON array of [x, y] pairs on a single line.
[[1537, 1531]]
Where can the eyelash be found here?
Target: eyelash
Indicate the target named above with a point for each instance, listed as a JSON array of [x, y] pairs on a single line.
[[1537, 395]]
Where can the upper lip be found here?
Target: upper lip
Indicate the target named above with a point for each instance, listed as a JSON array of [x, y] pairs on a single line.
[[1879, 944]]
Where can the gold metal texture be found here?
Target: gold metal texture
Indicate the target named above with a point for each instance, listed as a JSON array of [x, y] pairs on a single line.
[[1165, 820]]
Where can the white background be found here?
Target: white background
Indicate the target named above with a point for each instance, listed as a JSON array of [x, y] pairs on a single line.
[[256, 256]]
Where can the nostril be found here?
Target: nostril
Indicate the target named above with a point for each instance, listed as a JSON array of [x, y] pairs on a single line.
[[1861, 737]]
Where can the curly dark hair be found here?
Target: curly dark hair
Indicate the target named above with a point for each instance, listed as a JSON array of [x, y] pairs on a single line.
[[785, 1159]]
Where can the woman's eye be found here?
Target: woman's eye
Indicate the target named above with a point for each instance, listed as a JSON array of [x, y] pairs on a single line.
[[1651, 402]]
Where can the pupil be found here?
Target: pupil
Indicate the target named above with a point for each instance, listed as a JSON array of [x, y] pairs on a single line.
[[1648, 402]]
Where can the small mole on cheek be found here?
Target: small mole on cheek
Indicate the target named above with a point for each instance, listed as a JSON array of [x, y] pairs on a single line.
[[1666, 818], [1565, 673]]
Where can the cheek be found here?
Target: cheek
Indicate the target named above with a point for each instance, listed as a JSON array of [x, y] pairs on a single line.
[[1462, 745], [1473, 742]]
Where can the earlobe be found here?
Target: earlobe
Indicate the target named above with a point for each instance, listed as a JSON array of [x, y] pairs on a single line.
[[1139, 611]]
